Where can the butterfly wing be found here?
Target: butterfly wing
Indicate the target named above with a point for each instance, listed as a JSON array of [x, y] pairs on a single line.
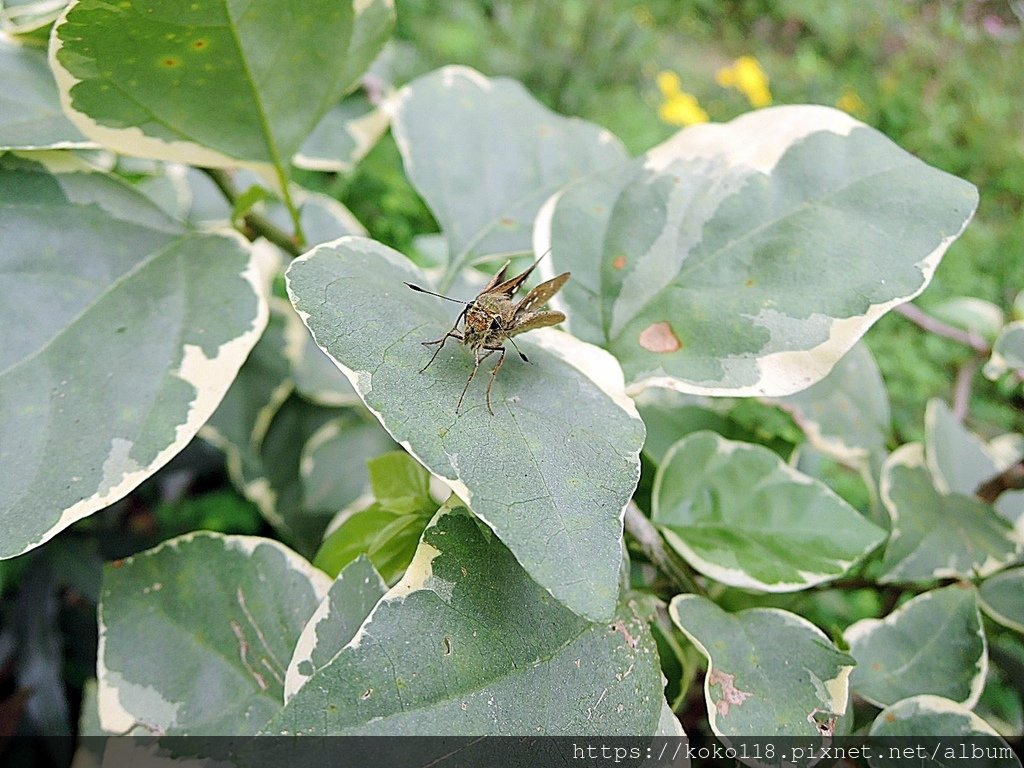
[[513, 284], [540, 295], [499, 277], [536, 320]]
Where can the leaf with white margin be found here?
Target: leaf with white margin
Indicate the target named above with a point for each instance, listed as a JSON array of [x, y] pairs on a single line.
[[747, 258], [770, 672], [550, 472], [938, 536], [335, 622], [845, 415], [1002, 598], [23, 17], [333, 465], [343, 136], [498, 154], [956, 729], [740, 515], [211, 83], [30, 113], [933, 644], [1007, 351], [116, 283], [262, 385], [271, 477], [959, 462], [196, 634], [467, 643]]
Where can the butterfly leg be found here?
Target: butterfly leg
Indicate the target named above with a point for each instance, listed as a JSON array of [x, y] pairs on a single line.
[[494, 372], [465, 389], [452, 334]]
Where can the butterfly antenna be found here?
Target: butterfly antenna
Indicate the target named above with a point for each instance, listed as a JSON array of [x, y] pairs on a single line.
[[431, 293], [525, 358]]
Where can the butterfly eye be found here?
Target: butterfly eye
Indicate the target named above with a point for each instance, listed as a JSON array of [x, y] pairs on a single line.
[[495, 324]]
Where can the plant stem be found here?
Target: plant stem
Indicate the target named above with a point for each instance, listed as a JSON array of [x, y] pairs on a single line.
[[286, 195], [651, 544], [256, 224], [939, 328], [962, 394]]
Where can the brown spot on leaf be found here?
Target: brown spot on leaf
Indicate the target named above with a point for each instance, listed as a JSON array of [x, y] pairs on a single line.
[[749, 283], [170, 61], [660, 338], [618, 262], [731, 695], [199, 44], [621, 628]]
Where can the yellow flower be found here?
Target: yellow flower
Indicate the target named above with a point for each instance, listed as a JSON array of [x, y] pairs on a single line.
[[851, 102], [668, 83], [682, 109], [747, 77]]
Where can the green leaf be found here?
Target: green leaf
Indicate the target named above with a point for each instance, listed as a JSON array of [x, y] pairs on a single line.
[[129, 330], [211, 83], [931, 644], [386, 537], [550, 472], [30, 113], [486, 168], [937, 536], [243, 417], [335, 622], [770, 672], [1002, 597], [468, 644], [846, 415], [960, 461], [747, 258], [957, 459], [400, 484], [271, 477], [196, 634], [333, 463], [935, 716], [740, 515], [1007, 351], [343, 137]]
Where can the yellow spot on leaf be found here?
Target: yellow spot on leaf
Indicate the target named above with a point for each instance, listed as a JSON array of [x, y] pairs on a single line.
[[660, 338], [170, 62], [199, 44]]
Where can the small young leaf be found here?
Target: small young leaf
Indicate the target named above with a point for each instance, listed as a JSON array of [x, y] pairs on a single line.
[[740, 515], [937, 536], [550, 472], [770, 672], [1007, 351], [1002, 598], [196, 634], [468, 644], [933, 644], [846, 414], [400, 484]]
